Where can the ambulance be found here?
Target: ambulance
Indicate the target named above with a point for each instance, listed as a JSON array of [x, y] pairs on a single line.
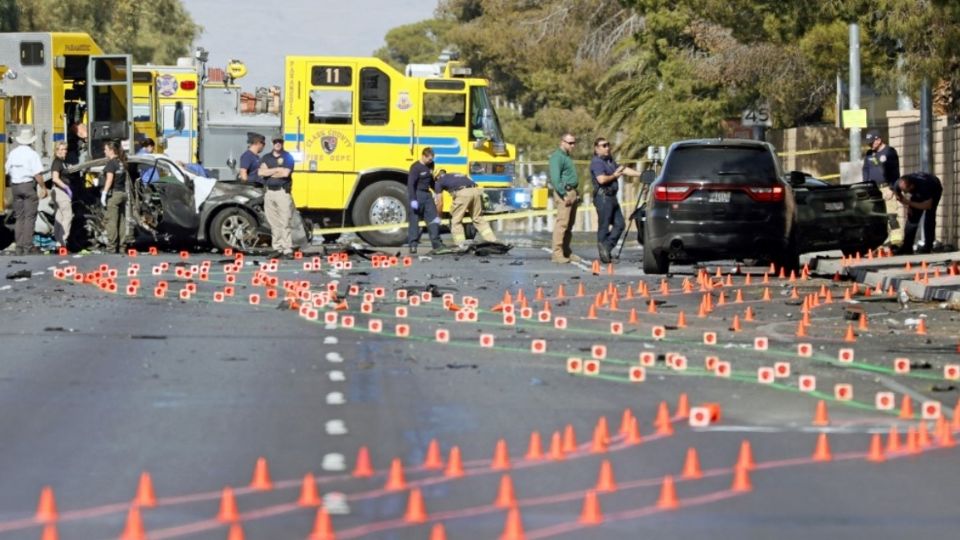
[[63, 86]]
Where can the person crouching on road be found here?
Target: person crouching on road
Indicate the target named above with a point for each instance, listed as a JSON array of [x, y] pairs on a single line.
[[24, 168], [422, 206], [62, 195], [923, 192], [114, 195], [604, 172], [467, 199], [276, 170]]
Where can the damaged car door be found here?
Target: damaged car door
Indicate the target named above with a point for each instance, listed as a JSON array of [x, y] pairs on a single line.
[[851, 218]]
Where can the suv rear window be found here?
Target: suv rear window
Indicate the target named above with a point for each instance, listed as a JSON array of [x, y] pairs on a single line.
[[722, 164]]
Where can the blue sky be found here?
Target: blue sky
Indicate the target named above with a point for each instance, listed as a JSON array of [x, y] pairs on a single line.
[[247, 31]]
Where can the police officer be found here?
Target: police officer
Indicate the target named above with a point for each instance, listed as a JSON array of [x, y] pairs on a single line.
[[422, 206], [467, 199], [604, 172], [24, 167], [881, 166], [250, 159], [563, 179], [920, 193], [276, 170]]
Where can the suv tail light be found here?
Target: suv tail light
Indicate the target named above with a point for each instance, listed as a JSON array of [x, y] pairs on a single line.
[[672, 192], [766, 194]]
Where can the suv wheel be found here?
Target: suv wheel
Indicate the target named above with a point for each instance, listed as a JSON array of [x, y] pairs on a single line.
[[654, 264]]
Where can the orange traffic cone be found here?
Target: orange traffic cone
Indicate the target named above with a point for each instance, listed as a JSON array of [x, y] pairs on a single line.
[[922, 327], [49, 532], [748, 315], [876, 454], [606, 482], [505, 495], [906, 408], [454, 464], [592, 312], [363, 468], [668, 495], [535, 448], [633, 317], [850, 337], [395, 478], [235, 532], [133, 529], [322, 526], [228, 506], [745, 457], [438, 532], [47, 507], [145, 496], [691, 466], [261, 476], [822, 451], [683, 406], [741, 480], [633, 434], [735, 326], [681, 320], [513, 528], [569, 439], [820, 417], [416, 511], [652, 306], [432, 460], [893, 440], [580, 290], [591, 514], [556, 447], [501, 456], [309, 495]]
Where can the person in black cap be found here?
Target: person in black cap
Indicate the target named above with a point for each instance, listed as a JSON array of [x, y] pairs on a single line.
[[276, 169], [920, 194], [881, 166], [250, 160]]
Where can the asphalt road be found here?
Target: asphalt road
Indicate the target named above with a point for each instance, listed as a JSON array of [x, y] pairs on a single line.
[[98, 387]]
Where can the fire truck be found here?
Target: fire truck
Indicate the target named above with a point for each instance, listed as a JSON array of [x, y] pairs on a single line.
[[354, 125]]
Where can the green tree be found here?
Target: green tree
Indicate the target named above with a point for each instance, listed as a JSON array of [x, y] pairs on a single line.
[[158, 31], [417, 43]]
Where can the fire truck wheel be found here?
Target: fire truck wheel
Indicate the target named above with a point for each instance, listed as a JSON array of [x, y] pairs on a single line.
[[378, 204]]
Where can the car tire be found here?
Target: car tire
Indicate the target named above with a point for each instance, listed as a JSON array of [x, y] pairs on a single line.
[[6, 236], [224, 225], [789, 258], [654, 264], [380, 203]]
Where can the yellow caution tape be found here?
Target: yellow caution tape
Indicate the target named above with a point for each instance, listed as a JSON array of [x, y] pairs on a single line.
[[509, 216]]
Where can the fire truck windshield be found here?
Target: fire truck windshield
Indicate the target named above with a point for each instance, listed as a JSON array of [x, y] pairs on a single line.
[[484, 123]]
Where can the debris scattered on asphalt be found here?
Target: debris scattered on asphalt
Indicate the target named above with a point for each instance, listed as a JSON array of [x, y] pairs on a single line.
[[147, 336], [20, 274], [916, 364], [58, 329], [943, 388]]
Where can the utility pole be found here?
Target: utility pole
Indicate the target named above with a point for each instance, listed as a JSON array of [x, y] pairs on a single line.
[[854, 89], [926, 127]]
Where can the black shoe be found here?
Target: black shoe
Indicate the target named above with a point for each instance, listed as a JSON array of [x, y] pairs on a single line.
[[604, 253], [413, 249], [275, 255], [439, 245]]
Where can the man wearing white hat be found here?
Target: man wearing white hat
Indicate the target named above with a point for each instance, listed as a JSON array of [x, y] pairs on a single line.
[[24, 168]]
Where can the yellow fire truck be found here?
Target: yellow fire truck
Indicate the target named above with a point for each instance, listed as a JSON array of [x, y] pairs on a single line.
[[354, 125]]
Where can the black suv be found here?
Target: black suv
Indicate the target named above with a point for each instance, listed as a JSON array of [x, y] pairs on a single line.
[[728, 199]]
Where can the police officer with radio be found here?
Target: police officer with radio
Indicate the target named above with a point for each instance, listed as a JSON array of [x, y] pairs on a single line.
[[276, 170], [604, 172], [419, 183]]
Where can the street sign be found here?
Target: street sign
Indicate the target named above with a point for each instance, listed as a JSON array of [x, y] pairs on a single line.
[[757, 116]]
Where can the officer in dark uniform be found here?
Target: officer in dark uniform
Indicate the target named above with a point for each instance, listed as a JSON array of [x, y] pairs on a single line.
[[920, 193], [605, 172], [419, 183], [881, 165]]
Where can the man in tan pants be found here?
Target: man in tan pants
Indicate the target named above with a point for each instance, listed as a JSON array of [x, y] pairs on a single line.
[[467, 199], [563, 178], [276, 170]]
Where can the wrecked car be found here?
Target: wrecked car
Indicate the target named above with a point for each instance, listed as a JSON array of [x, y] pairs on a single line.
[[175, 207]]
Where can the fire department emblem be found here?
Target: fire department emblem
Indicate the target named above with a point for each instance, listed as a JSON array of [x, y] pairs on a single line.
[[166, 85], [329, 144], [403, 101]]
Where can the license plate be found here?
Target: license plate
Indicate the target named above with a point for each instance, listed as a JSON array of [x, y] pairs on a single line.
[[833, 206], [719, 196]]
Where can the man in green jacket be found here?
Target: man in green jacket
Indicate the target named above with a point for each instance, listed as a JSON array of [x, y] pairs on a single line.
[[563, 179]]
